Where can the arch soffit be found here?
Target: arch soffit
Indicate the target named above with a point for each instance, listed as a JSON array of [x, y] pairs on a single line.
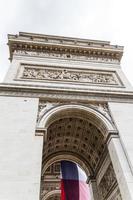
[[81, 111]]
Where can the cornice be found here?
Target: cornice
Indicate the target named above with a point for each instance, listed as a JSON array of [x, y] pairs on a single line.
[[63, 45], [61, 94]]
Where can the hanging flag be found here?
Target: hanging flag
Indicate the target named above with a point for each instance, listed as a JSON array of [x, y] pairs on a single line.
[[73, 182]]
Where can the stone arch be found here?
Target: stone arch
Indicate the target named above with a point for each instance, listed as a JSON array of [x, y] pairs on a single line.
[[106, 125], [70, 157], [77, 133]]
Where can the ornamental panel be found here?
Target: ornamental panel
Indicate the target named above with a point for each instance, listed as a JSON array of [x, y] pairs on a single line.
[[54, 73], [108, 186]]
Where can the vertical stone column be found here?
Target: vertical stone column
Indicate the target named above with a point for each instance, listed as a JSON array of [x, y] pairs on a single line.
[[93, 189], [20, 149], [121, 167]]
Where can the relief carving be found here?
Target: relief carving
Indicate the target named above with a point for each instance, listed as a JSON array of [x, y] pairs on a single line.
[[107, 182], [93, 77], [46, 106], [102, 108]]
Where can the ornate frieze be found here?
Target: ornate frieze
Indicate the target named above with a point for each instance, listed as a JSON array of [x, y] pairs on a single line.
[[107, 182], [43, 73], [68, 56], [70, 48]]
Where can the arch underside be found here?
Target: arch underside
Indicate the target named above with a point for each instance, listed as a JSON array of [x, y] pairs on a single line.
[[76, 136], [96, 114]]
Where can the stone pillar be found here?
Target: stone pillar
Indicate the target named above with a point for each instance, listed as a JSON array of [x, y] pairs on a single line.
[[121, 167], [20, 149], [93, 189]]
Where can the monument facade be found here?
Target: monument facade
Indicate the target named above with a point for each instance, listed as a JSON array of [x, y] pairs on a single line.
[[65, 99]]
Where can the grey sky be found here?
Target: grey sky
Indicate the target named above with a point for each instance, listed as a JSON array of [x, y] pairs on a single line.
[[93, 19]]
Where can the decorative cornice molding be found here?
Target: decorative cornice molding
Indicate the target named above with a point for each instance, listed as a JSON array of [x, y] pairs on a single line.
[[69, 47], [67, 56], [61, 94]]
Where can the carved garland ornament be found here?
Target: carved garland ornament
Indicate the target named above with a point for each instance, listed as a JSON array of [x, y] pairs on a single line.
[[92, 77]]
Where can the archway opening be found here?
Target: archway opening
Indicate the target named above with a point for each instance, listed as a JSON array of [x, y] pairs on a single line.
[[80, 137], [75, 136], [52, 180]]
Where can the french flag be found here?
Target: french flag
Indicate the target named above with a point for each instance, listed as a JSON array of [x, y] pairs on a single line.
[[73, 182]]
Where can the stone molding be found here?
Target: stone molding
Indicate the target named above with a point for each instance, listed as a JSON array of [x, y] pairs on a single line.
[[45, 106], [40, 132], [66, 47], [51, 93], [66, 56], [97, 112], [48, 73]]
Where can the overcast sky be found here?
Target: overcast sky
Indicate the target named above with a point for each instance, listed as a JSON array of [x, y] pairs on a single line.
[[92, 19]]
